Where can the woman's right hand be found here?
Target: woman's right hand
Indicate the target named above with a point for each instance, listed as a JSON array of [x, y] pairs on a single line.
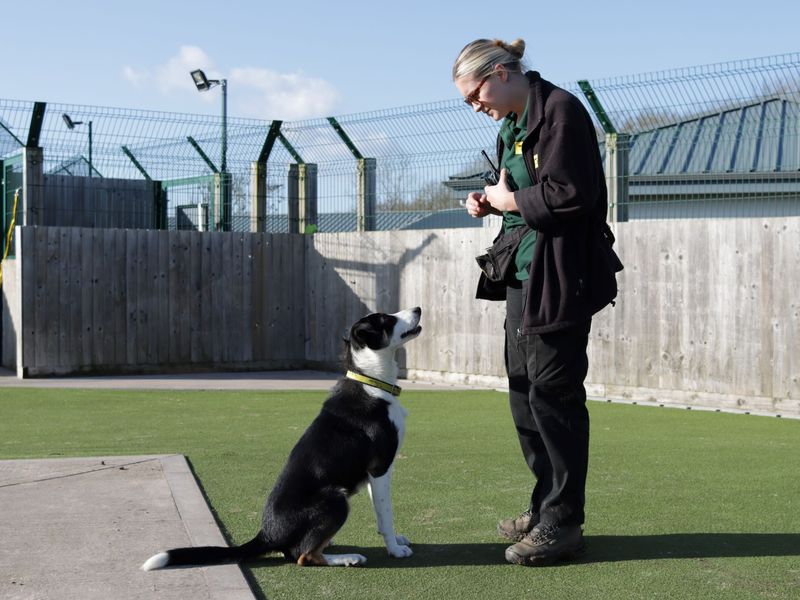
[[478, 206]]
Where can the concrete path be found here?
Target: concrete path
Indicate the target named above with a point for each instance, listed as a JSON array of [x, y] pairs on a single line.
[[259, 380]]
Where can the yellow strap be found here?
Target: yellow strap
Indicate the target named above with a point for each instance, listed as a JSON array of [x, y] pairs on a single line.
[[8, 235], [394, 390]]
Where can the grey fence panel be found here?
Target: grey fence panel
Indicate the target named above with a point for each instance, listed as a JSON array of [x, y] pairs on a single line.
[[96, 202], [113, 300]]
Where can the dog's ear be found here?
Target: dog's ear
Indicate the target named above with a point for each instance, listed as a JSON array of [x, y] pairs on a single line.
[[365, 333], [373, 331]]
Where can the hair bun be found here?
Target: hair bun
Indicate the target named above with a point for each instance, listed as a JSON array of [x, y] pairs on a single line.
[[515, 48]]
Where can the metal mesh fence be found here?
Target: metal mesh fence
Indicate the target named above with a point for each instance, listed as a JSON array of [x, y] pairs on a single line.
[[721, 140], [718, 140]]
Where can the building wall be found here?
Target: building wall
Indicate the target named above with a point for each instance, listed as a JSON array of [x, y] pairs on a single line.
[[94, 202]]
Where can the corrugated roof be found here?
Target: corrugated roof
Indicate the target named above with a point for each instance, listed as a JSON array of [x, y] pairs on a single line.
[[763, 137]]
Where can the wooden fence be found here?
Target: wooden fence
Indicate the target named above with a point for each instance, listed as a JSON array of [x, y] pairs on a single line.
[[708, 311], [113, 300]]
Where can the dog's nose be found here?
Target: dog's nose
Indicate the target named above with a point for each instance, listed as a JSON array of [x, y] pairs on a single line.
[[417, 310]]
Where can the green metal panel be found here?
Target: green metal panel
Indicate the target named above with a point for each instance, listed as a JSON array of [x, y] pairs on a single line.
[[598, 109], [200, 179], [164, 196]]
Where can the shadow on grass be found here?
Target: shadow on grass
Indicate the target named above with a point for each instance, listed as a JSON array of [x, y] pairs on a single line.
[[613, 548], [599, 549]]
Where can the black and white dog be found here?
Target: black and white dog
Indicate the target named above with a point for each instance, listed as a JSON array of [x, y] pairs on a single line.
[[353, 441]]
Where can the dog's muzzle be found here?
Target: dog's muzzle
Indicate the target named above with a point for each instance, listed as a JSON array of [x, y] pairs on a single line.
[[411, 332]]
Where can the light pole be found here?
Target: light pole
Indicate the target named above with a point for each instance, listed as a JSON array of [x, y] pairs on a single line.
[[71, 125], [204, 84]]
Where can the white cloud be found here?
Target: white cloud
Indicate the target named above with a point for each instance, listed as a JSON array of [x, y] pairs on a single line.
[[173, 75], [252, 92], [267, 94], [137, 77]]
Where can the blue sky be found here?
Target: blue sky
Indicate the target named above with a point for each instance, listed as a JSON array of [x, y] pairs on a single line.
[[304, 59]]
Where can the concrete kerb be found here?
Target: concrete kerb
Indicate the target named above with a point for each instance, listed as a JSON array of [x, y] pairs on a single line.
[[258, 380]]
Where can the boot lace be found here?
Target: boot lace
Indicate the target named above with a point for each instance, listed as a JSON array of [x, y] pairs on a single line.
[[543, 534]]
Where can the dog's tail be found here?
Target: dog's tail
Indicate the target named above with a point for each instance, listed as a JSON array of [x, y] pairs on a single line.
[[206, 555]]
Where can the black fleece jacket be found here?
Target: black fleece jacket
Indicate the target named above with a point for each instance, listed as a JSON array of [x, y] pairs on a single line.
[[572, 274]]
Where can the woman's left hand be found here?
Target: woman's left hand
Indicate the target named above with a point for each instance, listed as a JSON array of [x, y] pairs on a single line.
[[500, 196]]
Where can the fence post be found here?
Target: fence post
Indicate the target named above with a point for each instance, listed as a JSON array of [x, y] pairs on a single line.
[[616, 163], [258, 197], [227, 200], [616, 168], [32, 207], [258, 178], [221, 210], [365, 208], [308, 200], [160, 206], [302, 196]]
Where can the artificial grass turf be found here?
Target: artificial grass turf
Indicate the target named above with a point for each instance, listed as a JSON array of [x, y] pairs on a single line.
[[680, 504]]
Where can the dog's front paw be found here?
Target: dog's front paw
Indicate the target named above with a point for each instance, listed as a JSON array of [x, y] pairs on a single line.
[[399, 551], [402, 540]]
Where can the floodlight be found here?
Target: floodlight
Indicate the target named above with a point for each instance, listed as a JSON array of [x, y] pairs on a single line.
[[70, 123], [202, 82]]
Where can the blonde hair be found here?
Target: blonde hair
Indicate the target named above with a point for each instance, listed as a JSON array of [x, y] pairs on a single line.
[[478, 58]]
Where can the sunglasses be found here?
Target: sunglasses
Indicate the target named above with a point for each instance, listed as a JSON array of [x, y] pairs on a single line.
[[474, 95]]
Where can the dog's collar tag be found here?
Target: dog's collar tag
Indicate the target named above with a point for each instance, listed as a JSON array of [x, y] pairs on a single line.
[[394, 390]]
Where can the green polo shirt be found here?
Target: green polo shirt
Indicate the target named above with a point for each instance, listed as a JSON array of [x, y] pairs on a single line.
[[512, 132]]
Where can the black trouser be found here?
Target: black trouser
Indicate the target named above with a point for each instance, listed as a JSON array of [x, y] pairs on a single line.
[[548, 405]]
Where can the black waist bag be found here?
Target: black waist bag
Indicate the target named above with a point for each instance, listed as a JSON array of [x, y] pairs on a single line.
[[499, 257]]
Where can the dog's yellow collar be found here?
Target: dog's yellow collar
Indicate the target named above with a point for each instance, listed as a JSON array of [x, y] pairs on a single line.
[[394, 390]]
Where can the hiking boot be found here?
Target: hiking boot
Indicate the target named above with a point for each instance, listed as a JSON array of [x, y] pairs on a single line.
[[517, 527], [546, 544]]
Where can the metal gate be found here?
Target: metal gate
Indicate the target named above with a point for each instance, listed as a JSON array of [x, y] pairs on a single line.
[[192, 203]]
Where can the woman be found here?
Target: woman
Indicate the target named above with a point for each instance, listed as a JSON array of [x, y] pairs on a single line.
[[552, 196]]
